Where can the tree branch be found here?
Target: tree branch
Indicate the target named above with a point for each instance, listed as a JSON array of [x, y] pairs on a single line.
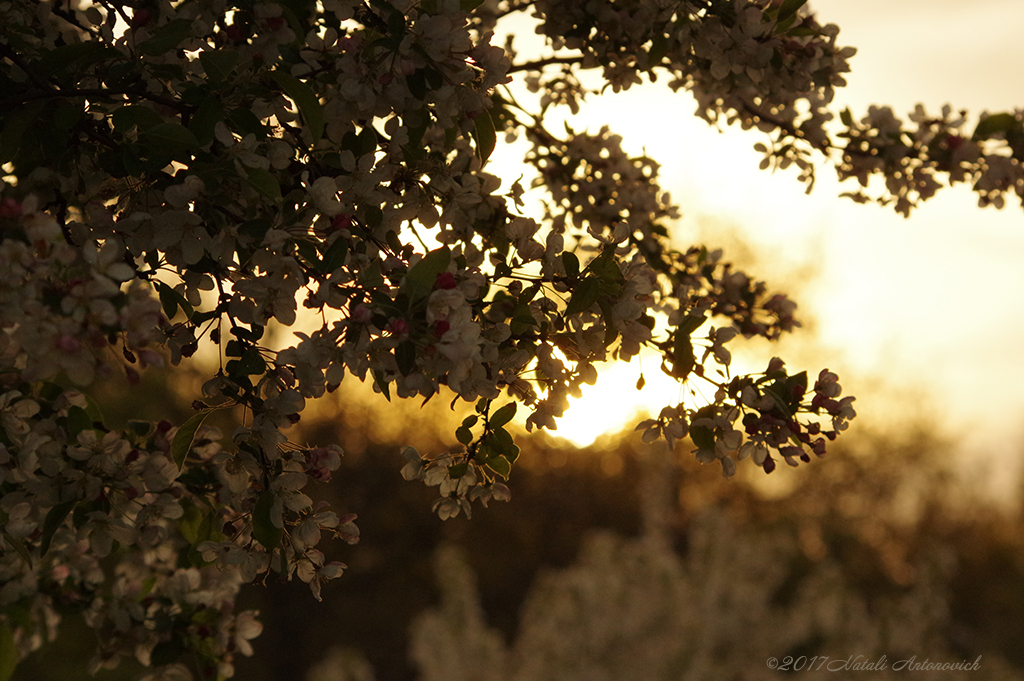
[[97, 92], [7, 52], [541, 63], [515, 7]]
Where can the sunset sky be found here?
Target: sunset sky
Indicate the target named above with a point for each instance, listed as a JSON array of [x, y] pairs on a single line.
[[922, 313]]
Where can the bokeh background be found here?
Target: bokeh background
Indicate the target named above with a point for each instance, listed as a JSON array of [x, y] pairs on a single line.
[[620, 561]]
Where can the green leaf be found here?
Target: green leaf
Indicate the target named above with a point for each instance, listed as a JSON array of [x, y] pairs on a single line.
[[251, 363], [405, 357], [78, 420], [373, 216], [305, 99], [8, 652], [244, 120], [503, 415], [308, 251], [691, 323], [382, 383], [703, 437], [205, 120], [659, 48], [606, 267], [169, 138], [81, 55], [511, 453], [846, 117], [457, 470], [334, 257], [218, 64], [469, 5], [1003, 122], [140, 429], [367, 141], [197, 527], [264, 182], [419, 282], [135, 116], [186, 435], [417, 84], [191, 520], [171, 300], [522, 319], [54, 519], [584, 296], [464, 435], [499, 465], [168, 652], [486, 137], [167, 37], [571, 264], [683, 359], [19, 546], [789, 8], [15, 125], [263, 528]]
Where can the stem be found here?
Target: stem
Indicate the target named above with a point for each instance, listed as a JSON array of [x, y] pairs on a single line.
[[541, 63]]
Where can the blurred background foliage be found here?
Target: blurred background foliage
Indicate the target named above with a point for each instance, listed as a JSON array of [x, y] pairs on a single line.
[[916, 556]]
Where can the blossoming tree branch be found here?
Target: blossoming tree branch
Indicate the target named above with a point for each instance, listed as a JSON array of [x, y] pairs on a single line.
[[184, 174]]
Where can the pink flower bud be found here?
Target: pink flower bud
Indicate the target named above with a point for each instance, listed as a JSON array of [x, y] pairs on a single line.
[[9, 208], [361, 314], [445, 280], [140, 18], [68, 343], [399, 327]]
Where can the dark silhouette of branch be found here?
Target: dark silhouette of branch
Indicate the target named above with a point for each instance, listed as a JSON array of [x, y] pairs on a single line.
[[541, 63]]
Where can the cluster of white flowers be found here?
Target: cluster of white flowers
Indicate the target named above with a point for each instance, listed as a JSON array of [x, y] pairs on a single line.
[[241, 158], [772, 66], [912, 161]]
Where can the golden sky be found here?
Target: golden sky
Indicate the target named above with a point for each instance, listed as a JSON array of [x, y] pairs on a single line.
[[931, 306]]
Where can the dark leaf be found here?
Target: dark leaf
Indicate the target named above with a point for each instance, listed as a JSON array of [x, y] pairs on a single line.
[[419, 282], [264, 182], [263, 528], [405, 357], [218, 64], [789, 8], [134, 116], [186, 435], [584, 296], [8, 652], [997, 123], [499, 465], [486, 137], [571, 264], [503, 415], [305, 99], [382, 383], [78, 420], [167, 37], [54, 519]]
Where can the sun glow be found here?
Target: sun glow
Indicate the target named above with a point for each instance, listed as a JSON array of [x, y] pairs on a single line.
[[615, 403]]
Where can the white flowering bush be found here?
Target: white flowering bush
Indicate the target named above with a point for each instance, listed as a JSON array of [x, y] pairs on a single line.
[[739, 598], [179, 177]]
